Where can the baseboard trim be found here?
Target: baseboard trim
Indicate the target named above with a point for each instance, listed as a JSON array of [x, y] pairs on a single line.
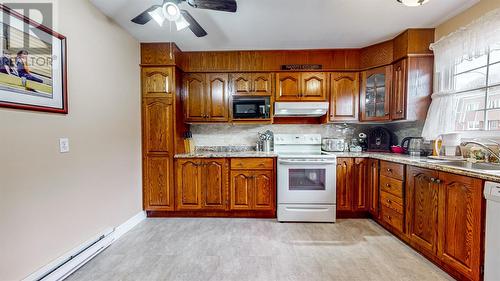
[[68, 263]]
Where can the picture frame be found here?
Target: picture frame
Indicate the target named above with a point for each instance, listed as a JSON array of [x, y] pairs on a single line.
[[33, 74]]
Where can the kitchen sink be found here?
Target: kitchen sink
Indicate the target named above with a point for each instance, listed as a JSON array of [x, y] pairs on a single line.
[[469, 165]]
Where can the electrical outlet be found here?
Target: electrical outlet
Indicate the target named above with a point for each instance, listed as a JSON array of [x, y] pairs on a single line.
[[63, 145]]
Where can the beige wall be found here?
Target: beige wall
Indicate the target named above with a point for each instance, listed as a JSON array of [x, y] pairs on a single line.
[[466, 17], [51, 202]]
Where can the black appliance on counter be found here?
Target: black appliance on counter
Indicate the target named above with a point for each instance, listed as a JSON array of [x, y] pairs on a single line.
[[251, 108], [414, 146], [379, 140]]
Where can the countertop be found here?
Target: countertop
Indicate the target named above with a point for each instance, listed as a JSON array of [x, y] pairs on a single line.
[[422, 162], [227, 154]]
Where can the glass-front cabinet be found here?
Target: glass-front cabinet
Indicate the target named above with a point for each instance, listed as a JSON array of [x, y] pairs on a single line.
[[375, 93]]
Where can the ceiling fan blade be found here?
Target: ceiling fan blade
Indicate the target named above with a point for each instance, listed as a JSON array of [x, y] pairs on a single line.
[[218, 5], [144, 17], [193, 24]]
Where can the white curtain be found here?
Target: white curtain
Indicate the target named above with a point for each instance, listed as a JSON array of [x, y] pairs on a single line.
[[469, 42]]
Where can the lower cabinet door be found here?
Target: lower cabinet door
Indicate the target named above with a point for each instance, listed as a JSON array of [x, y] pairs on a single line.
[[422, 208], [344, 184], [373, 187], [158, 183], [460, 224], [214, 184], [360, 198], [241, 190], [188, 188], [264, 192]]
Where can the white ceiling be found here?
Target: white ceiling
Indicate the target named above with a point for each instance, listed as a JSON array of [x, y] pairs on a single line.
[[288, 24]]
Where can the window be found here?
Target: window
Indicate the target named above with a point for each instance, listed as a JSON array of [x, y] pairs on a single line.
[[477, 85]]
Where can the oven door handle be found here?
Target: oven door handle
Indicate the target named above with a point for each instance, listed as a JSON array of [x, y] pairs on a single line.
[[306, 162]]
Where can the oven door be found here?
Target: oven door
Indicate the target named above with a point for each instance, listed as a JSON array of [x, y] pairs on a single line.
[[306, 181]]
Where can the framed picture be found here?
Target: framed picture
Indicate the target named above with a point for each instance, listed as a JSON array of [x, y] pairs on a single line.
[[32, 65]]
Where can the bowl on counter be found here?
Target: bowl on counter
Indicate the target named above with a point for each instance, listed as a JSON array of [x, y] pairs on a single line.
[[397, 149]]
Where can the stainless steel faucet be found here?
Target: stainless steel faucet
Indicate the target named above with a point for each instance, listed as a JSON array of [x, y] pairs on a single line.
[[484, 146]]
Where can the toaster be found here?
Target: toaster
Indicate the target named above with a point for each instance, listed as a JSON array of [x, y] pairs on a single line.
[[332, 144]]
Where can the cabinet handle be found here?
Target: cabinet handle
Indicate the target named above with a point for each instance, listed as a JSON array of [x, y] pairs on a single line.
[[438, 181], [389, 201], [389, 170], [388, 185], [400, 111], [387, 114], [388, 217], [433, 180]]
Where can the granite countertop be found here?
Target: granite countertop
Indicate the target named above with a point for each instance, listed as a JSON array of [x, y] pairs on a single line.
[[424, 162], [228, 154]]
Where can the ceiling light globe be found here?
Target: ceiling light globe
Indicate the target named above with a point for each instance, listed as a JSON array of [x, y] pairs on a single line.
[[171, 11], [413, 3]]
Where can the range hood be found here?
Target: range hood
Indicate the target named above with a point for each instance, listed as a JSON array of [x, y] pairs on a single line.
[[300, 109]]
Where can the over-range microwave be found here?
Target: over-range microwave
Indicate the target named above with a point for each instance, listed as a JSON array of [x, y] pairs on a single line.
[[251, 108]]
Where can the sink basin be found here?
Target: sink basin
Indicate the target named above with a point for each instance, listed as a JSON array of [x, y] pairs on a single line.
[[474, 166]]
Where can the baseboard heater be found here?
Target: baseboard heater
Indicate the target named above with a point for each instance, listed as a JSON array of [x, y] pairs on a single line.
[[69, 263]]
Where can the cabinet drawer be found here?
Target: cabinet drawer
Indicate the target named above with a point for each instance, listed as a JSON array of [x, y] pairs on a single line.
[[392, 218], [390, 201], [392, 170], [393, 186], [252, 163]]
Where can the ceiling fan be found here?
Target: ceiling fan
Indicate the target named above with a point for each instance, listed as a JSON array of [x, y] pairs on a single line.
[[169, 10]]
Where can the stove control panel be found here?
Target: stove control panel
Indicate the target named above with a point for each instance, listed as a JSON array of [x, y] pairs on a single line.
[[284, 139]]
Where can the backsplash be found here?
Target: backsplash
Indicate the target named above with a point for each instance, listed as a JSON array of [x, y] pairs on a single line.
[[246, 135]]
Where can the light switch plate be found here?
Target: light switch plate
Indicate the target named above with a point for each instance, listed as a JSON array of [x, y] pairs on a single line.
[[63, 145]]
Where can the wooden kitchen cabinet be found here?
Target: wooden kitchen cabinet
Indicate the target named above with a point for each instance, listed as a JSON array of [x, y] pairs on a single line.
[[201, 184], [373, 187], [398, 98], [252, 189], [288, 86], [391, 196], [375, 95], [352, 187], [156, 82], [206, 97], [313, 86], [361, 180], [157, 123], [460, 224], [422, 208], [301, 86], [345, 167], [444, 217], [255, 84], [344, 96]]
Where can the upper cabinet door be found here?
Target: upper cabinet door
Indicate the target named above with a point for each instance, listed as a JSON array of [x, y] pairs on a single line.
[[194, 97], [344, 95], [241, 83], [156, 81], [313, 86], [262, 84], [287, 86], [157, 123], [218, 97], [375, 94], [398, 98]]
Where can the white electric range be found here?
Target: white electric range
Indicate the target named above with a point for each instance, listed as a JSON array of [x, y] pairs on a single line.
[[306, 179]]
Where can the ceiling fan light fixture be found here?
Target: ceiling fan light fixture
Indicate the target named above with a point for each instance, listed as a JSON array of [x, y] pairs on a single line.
[[413, 3], [157, 15], [181, 23], [171, 11]]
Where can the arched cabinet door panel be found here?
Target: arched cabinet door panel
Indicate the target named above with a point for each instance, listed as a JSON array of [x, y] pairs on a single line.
[[287, 86], [217, 97], [344, 96], [188, 188], [241, 189], [156, 82], [194, 97], [214, 183], [313, 86]]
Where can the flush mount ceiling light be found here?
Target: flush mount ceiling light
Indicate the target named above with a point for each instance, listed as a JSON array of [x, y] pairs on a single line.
[[413, 3]]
